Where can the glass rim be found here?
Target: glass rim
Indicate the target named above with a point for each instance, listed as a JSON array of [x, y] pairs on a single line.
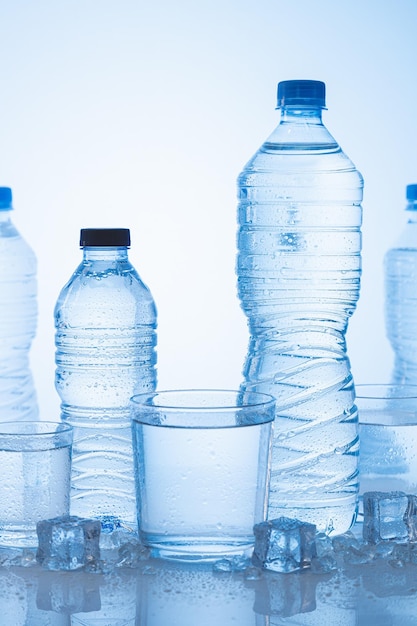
[[22, 429], [380, 391], [35, 436], [196, 413], [263, 399]]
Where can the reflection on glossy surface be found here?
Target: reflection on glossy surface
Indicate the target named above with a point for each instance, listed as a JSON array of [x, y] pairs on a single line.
[[185, 596], [303, 598], [157, 593]]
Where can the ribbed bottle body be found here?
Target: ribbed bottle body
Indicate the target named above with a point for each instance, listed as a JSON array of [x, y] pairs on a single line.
[[18, 322], [298, 269], [105, 322]]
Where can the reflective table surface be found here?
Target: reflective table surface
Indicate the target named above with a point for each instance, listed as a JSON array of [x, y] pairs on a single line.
[[161, 593]]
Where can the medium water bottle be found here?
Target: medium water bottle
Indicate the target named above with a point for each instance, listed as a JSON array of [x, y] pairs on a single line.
[[18, 318], [298, 269], [105, 321], [400, 267]]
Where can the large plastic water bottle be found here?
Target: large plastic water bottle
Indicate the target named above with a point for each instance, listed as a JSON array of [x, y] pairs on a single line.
[[400, 266], [18, 318], [298, 272], [105, 320]]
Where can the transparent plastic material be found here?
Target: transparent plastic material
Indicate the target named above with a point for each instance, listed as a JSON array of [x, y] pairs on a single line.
[[298, 270], [105, 320], [400, 268], [18, 318]]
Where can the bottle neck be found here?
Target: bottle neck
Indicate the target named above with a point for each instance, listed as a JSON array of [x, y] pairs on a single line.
[[5, 215], [411, 209], [301, 115], [105, 253], [301, 129], [408, 235]]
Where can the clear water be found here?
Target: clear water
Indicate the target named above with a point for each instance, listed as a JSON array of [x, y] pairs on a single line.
[[199, 491], [18, 320], [298, 268], [35, 486], [388, 459], [105, 338], [401, 311]]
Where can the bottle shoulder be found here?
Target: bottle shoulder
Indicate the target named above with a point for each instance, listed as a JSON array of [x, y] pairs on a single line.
[[10, 236], [299, 149], [406, 242], [16, 256], [281, 161], [105, 273], [106, 287]]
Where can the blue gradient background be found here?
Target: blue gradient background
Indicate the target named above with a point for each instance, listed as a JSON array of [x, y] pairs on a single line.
[[141, 115]]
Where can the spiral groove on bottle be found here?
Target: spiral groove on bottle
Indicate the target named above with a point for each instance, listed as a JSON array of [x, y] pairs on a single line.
[[298, 268]]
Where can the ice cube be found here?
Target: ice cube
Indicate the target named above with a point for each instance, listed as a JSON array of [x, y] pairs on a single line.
[[411, 518], [17, 557], [114, 534], [343, 542], [283, 544], [237, 563], [360, 555], [68, 542], [132, 554], [385, 516], [324, 560]]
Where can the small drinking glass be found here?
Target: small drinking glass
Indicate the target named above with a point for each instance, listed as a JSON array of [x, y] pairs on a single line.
[[202, 462], [35, 463], [388, 437]]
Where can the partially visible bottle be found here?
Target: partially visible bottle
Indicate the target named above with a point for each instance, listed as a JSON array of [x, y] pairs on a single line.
[[105, 320], [18, 318], [400, 268], [298, 267]]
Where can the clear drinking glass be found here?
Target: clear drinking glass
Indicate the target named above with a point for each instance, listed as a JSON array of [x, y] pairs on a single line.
[[202, 460], [388, 437], [35, 462]]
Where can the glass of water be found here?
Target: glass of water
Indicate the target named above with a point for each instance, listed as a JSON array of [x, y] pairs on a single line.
[[388, 437], [202, 462], [35, 462]]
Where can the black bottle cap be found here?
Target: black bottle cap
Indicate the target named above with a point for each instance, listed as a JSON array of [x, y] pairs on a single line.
[[104, 237], [301, 92]]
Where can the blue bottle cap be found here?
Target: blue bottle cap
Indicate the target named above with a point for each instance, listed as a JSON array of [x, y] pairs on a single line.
[[411, 192], [5, 199], [302, 93], [104, 237]]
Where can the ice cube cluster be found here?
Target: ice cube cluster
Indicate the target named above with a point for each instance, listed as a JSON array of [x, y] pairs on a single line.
[[284, 545], [97, 546], [389, 532]]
